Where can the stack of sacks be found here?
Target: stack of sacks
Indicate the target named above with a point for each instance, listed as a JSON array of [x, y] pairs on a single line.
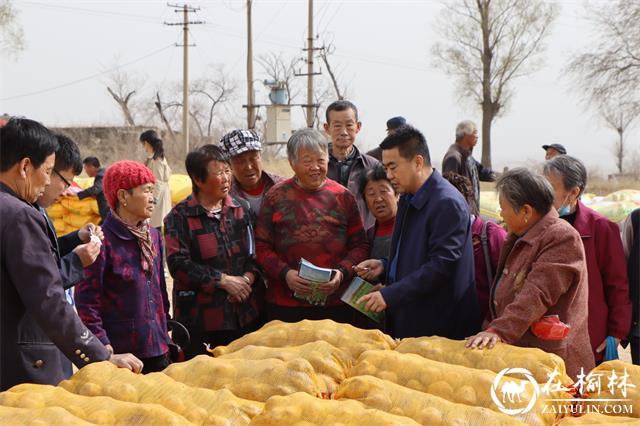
[[198, 405], [278, 334], [257, 380], [303, 409], [330, 363], [70, 213], [96, 409], [180, 186], [457, 384]]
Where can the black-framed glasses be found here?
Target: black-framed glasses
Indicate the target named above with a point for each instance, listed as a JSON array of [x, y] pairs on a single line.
[[66, 182]]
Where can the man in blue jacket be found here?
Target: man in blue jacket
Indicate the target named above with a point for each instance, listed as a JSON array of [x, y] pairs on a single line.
[[431, 284]]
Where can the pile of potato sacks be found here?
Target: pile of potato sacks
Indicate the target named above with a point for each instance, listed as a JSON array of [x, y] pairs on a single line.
[[315, 373]]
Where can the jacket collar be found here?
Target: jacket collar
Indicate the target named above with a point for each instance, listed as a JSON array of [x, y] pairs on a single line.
[[5, 188], [356, 155], [118, 228], [193, 207], [420, 198], [541, 227], [465, 153], [582, 220]]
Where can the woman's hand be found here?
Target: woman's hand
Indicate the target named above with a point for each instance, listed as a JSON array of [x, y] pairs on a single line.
[[128, 361], [297, 284], [237, 287], [483, 339], [374, 302], [333, 285], [369, 269]]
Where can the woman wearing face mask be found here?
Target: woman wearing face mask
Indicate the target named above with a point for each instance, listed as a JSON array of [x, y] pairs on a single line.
[[157, 162], [609, 304], [123, 296]]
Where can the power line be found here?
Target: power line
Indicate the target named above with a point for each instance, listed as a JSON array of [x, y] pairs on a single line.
[[80, 80], [140, 18]]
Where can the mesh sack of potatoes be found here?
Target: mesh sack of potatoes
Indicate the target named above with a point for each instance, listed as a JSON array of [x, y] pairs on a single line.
[[97, 409], [198, 405], [301, 409], [455, 383], [598, 419], [78, 207], [330, 363], [277, 334], [10, 416], [256, 380], [536, 361], [618, 380], [422, 407]]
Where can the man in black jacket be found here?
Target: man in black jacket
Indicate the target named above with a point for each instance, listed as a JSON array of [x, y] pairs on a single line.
[[459, 158], [93, 169], [32, 300]]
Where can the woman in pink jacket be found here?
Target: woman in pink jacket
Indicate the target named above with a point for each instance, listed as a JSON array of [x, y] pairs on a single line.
[[609, 304], [541, 274]]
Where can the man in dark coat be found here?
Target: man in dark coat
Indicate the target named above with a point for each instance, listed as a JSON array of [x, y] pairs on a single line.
[[32, 300], [346, 162], [431, 287], [92, 169], [459, 158]]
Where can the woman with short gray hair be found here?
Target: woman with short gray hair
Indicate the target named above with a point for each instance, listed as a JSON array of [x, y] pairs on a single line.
[[609, 304], [309, 217], [541, 280]]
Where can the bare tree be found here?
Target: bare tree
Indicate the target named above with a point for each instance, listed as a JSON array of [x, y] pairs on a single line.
[[122, 86], [486, 45], [619, 117], [280, 69], [216, 91], [11, 32], [612, 64], [608, 75], [324, 55], [160, 107]]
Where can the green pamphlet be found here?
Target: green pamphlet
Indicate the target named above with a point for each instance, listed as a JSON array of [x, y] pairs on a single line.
[[355, 291]]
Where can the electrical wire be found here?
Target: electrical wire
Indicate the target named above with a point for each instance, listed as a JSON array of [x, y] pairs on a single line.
[[80, 80]]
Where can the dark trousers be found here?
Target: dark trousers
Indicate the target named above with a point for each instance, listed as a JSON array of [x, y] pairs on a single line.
[[155, 364], [635, 349], [340, 313], [199, 337]]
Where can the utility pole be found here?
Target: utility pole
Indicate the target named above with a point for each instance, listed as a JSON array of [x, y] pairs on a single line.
[[185, 9], [251, 112], [310, 52]]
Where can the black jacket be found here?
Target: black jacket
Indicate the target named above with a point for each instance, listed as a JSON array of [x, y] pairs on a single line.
[[33, 303], [96, 191]]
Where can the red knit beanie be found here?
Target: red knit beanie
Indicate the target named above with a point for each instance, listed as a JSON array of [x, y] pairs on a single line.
[[124, 175]]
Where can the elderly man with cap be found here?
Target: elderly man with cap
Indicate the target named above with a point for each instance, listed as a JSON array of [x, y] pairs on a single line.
[[392, 124], [250, 181], [553, 150]]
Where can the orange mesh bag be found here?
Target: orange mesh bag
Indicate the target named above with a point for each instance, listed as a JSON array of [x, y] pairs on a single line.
[[455, 383], [422, 407], [330, 363], [256, 380], [10, 416], [618, 380], [536, 361], [598, 419], [277, 334], [97, 409], [301, 409], [198, 405]]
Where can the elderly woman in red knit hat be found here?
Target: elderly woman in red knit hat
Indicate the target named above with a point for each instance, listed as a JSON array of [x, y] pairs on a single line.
[[123, 297]]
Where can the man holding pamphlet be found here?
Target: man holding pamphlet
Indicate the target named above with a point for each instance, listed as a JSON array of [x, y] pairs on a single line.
[[309, 226]]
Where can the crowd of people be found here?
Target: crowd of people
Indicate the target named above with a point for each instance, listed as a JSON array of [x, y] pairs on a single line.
[[553, 276]]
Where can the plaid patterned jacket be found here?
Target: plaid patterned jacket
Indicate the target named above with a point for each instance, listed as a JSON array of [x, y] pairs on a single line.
[[199, 249]]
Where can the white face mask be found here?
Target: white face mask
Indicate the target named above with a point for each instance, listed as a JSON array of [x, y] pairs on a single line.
[[149, 155]]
